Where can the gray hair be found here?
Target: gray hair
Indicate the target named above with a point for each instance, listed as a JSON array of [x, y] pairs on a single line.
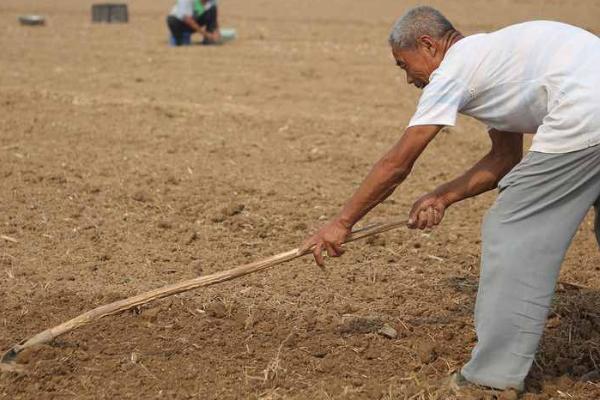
[[416, 22]]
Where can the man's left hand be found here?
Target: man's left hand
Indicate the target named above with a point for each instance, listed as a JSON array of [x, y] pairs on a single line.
[[427, 212]]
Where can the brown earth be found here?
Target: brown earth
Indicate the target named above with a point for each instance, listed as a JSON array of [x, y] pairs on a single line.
[[126, 165]]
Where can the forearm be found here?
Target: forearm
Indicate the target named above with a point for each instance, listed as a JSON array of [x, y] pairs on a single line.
[[381, 182], [191, 22], [483, 176], [387, 173]]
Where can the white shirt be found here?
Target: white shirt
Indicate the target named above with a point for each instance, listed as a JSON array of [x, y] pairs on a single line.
[[185, 8], [537, 77]]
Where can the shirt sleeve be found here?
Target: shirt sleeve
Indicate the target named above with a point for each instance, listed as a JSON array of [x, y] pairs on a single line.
[[441, 100]]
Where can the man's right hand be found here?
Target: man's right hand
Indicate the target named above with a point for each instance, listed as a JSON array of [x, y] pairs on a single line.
[[330, 238]]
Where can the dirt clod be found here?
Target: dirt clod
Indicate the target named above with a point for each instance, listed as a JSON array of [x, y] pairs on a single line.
[[216, 309], [357, 325], [36, 353], [197, 267], [300, 226], [377, 240], [151, 314], [319, 353], [427, 352], [142, 196], [165, 224], [388, 332], [190, 238], [232, 210]]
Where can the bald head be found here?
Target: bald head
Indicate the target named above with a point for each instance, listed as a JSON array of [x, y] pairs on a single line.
[[417, 22]]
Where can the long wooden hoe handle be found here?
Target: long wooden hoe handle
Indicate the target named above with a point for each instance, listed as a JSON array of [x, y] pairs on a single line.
[[183, 286]]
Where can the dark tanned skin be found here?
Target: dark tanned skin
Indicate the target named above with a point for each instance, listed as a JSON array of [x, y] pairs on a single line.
[[393, 168]]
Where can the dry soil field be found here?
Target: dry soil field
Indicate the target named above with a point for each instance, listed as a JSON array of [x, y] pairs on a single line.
[[126, 165]]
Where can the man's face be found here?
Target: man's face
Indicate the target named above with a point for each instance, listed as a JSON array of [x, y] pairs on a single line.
[[418, 63]]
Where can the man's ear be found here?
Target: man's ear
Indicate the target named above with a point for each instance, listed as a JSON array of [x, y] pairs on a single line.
[[428, 44]]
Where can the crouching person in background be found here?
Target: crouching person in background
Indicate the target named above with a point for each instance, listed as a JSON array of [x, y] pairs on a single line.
[[189, 16]]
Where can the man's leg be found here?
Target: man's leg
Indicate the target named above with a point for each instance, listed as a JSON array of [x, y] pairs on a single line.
[[524, 239], [177, 29], [209, 20]]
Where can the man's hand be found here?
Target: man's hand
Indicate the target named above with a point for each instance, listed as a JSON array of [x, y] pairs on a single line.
[[427, 212], [330, 237], [387, 173], [212, 36]]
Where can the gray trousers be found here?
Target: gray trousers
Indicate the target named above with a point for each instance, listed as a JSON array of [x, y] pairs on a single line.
[[525, 236]]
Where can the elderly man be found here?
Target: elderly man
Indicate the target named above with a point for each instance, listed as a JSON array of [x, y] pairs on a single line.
[[536, 77]]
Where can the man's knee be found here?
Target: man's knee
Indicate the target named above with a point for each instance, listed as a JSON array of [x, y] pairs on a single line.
[[210, 19], [492, 225]]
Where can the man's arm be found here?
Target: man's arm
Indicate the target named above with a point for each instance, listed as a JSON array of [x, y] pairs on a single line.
[[382, 180], [191, 22], [506, 152]]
